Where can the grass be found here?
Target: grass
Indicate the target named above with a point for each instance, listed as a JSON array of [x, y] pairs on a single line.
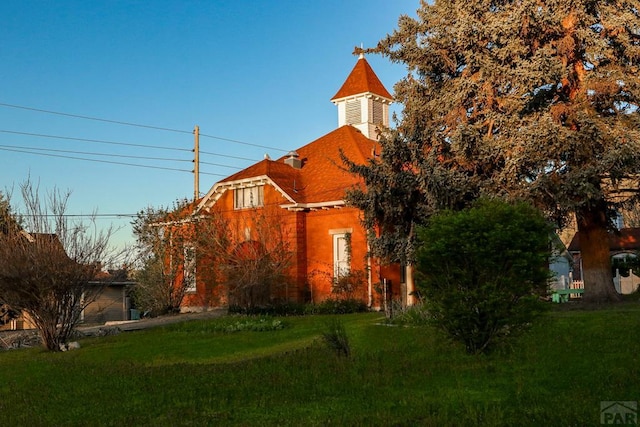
[[199, 373]]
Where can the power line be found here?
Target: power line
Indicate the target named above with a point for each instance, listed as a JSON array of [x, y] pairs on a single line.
[[78, 116], [218, 164], [88, 153], [228, 156], [107, 161], [242, 142], [95, 154], [101, 141], [70, 138], [113, 215]]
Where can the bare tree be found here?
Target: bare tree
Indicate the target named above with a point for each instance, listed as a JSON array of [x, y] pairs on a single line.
[[196, 258], [173, 245], [258, 259], [161, 236], [47, 262]]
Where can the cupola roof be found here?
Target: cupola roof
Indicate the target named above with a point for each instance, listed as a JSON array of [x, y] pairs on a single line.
[[362, 79]]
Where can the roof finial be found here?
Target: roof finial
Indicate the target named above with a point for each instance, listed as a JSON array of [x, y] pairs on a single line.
[[361, 51]]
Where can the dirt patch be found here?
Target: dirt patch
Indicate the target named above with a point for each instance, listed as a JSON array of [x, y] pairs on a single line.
[[151, 322], [10, 340]]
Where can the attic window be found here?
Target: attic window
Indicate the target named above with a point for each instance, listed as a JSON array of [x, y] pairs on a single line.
[[250, 197], [354, 114]]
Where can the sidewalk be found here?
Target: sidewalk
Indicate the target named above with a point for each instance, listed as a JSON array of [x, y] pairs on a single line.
[[151, 322]]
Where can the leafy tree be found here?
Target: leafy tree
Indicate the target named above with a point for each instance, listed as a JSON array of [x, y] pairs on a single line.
[[522, 99], [481, 269], [47, 262]]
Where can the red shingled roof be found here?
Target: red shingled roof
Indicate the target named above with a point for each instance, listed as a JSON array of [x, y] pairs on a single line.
[[627, 239], [361, 80], [321, 177]]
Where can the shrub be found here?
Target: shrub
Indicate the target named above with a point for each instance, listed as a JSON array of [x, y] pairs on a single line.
[[262, 324], [335, 337], [482, 269], [414, 315], [279, 309], [230, 324], [349, 286], [337, 306]]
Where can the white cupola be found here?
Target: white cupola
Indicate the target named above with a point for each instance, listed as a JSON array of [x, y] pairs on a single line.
[[363, 101]]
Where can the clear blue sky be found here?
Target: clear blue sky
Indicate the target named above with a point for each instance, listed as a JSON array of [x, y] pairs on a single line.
[[260, 72]]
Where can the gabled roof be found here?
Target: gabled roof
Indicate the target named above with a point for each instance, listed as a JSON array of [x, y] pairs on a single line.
[[320, 181], [362, 79], [626, 239], [322, 175], [49, 240]]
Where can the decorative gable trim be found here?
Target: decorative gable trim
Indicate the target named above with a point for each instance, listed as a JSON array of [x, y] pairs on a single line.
[[220, 188], [296, 207], [368, 95]]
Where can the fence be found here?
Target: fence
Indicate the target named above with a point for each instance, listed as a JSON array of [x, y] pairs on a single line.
[[626, 285], [576, 284]]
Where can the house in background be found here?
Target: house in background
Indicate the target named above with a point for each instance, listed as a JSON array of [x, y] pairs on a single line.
[[11, 320], [304, 193], [113, 303], [560, 264], [623, 244]]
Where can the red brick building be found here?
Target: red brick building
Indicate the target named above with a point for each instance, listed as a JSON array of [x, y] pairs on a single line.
[[304, 192]]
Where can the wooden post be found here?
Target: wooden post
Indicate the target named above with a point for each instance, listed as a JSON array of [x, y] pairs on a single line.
[[196, 163], [411, 286]]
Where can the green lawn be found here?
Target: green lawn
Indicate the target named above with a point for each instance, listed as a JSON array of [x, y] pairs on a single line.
[[194, 374]]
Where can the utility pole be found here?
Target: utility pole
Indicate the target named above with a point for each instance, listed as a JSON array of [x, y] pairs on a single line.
[[196, 163]]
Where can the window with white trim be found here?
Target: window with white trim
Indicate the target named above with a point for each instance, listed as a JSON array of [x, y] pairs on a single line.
[[249, 197], [189, 268], [341, 255]]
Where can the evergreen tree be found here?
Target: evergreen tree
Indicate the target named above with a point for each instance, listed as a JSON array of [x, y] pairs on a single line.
[[9, 221], [524, 100]]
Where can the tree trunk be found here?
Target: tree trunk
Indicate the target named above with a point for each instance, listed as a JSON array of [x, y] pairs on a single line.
[[596, 258]]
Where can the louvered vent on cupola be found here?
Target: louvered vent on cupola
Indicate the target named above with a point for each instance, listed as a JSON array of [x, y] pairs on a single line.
[[293, 160], [354, 112], [376, 112]]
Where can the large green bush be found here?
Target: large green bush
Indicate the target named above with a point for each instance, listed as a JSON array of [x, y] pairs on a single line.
[[481, 270]]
